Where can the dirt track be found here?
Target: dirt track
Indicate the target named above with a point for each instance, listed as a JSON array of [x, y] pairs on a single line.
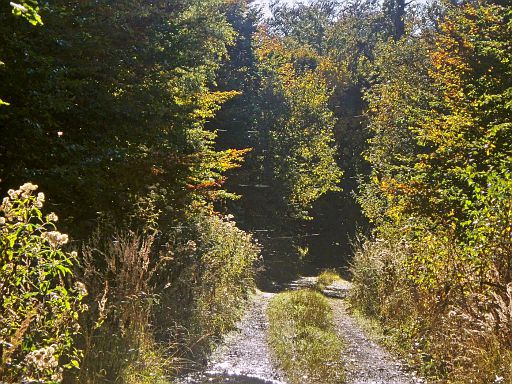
[[367, 362], [244, 356]]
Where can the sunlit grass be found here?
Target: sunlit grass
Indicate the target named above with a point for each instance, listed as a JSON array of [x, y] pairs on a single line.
[[326, 278], [303, 339], [153, 365]]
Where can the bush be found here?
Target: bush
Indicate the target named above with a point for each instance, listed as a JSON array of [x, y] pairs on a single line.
[[227, 257], [213, 274], [39, 300], [303, 339], [438, 310], [376, 268], [158, 302], [367, 276], [382, 293]]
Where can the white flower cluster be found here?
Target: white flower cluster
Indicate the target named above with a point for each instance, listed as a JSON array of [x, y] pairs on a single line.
[[42, 360], [19, 198], [52, 217], [191, 246], [55, 238], [80, 288], [6, 204], [39, 200], [24, 192]]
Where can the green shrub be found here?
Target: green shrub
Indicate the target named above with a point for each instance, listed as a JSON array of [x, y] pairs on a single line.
[[39, 300], [227, 260], [160, 301], [376, 268], [435, 311], [303, 339], [367, 276], [381, 292]]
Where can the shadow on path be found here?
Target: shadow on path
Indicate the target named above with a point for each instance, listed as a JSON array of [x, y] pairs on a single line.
[[244, 356]]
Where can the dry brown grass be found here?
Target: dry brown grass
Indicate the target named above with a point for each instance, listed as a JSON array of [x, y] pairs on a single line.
[[119, 271]]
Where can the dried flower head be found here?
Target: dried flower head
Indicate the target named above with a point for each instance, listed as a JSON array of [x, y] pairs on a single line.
[[13, 194], [42, 359], [55, 238], [80, 288], [52, 217], [191, 246], [26, 190], [63, 238], [28, 187]]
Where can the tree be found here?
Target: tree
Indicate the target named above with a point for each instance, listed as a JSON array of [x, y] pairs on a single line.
[[394, 11], [29, 11], [118, 101], [296, 126], [440, 191]]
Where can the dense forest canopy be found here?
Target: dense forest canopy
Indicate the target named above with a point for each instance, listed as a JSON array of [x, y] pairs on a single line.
[[185, 145]]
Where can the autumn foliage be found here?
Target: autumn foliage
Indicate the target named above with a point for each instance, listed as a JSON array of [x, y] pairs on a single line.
[[441, 199]]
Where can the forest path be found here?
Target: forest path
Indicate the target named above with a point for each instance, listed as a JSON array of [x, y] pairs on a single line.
[[244, 356], [367, 362]]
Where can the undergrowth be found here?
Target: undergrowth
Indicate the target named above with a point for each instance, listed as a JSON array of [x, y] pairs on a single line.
[[40, 298], [303, 339], [158, 304], [455, 337], [212, 277]]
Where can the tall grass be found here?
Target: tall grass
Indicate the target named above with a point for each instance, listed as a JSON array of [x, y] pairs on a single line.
[[303, 339], [211, 279], [120, 272], [156, 306]]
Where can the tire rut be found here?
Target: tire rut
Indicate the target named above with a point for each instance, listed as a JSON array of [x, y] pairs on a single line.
[[367, 362], [244, 355]]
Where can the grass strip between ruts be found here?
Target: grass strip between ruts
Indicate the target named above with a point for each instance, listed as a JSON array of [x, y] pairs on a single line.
[[303, 339]]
